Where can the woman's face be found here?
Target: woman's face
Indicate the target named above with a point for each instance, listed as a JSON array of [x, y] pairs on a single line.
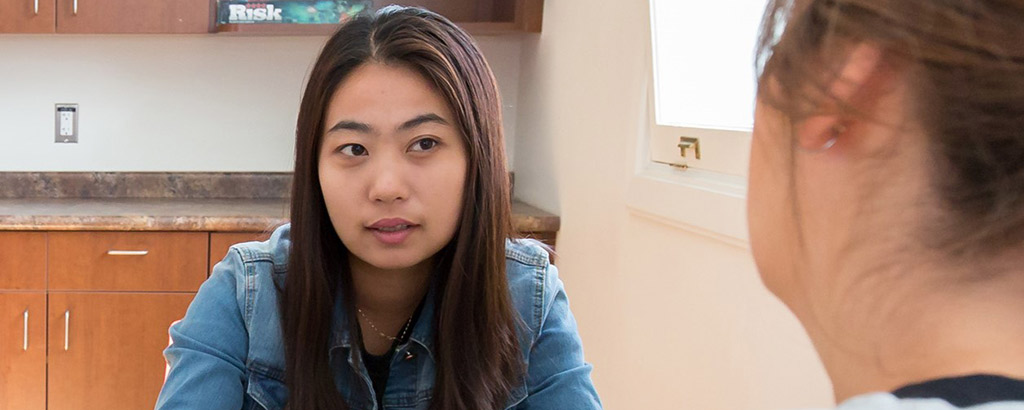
[[392, 166]]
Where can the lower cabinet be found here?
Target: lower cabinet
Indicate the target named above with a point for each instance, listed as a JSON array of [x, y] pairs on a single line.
[[84, 315], [23, 351], [105, 349]]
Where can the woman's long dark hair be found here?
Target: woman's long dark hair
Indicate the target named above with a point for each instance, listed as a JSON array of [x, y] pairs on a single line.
[[478, 356]]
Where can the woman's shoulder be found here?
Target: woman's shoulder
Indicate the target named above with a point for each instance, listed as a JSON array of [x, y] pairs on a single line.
[[253, 268], [533, 279], [528, 267], [888, 401], [273, 251], [528, 252]]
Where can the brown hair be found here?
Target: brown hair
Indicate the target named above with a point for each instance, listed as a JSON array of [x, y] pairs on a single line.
[[477, 352], [965, 65]]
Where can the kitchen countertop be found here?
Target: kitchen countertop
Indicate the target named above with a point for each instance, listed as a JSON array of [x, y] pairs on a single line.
[[184, 214]]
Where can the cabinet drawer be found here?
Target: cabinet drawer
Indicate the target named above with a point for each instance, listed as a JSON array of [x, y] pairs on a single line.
[[127, 261], [22, 261]]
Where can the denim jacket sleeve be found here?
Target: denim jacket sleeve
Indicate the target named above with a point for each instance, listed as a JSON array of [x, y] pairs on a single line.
[[207, 356], [557, 375]]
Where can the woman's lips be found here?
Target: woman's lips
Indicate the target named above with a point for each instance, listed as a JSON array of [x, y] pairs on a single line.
[[393, 235], [392, 231]]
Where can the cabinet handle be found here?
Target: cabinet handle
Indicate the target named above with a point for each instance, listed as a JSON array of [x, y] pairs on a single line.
[[37, 7], [75, 11], [67, 319], [24, 343], [127, 253]]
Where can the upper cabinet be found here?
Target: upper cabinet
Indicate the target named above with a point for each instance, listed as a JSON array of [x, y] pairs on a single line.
[[134, 16], [106, 16], [480, 17]]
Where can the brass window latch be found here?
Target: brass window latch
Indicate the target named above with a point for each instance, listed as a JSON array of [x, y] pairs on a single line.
[[686, 143]]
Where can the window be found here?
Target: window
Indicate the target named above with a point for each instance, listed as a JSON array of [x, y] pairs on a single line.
[[702, 86]]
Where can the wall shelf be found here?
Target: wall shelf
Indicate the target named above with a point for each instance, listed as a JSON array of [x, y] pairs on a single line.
[[477, 17], [474, 28]]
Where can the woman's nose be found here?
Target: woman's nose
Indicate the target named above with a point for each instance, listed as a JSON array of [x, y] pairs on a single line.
[[388, 185]]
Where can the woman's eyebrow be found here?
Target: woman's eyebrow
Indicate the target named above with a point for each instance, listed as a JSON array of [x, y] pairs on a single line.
[[420, 120], [352, 126], [367, 129]]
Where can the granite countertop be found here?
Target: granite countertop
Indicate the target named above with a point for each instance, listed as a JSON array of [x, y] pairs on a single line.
[[142, 214], [172, 214], [221, 202]]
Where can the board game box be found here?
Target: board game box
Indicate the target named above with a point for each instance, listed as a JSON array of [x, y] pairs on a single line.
[[290, 11]]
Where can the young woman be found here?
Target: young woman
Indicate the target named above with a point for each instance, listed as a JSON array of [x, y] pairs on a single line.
[[886, 200], [396, 285]]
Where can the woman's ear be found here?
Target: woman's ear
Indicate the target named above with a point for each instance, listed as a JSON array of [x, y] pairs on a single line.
[[860, 81]]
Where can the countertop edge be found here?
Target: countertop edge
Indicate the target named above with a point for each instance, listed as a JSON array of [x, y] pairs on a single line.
[[525, 219]]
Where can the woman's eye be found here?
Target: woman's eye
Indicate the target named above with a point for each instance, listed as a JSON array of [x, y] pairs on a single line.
[[425, 144], [353, 150]]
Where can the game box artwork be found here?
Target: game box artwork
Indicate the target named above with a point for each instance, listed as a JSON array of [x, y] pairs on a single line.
[[289, 11]]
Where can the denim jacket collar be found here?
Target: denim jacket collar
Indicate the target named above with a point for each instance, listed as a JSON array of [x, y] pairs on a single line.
[[422, 332]]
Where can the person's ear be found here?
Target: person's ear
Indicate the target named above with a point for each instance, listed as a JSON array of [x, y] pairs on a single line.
[[861, 80]]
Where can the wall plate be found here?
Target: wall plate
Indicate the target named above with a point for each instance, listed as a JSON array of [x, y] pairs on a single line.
[[66, 123]]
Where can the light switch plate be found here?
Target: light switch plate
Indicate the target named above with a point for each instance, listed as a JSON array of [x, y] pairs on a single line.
[[66, 127]]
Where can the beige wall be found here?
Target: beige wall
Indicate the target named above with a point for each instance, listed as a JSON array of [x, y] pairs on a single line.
[[171, 102], [670, 319]]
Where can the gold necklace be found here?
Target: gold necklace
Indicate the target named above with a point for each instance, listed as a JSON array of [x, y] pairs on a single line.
[[382, 334]]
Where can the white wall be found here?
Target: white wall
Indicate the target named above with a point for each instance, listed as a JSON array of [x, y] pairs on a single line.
[[670, 319], [171, 103]]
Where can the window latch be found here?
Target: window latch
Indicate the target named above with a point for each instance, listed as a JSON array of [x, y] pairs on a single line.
[[686, 143]]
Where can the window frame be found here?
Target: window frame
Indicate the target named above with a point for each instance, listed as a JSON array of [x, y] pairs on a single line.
[[708, 197]]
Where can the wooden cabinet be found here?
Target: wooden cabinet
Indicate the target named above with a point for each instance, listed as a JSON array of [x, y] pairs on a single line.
[[127, 261], [27, 16], [133, 16], [106, 16], [22, 260], [84, 315], [197, 16], [22, 320], [23, 351], [522, 15], [106, 348]]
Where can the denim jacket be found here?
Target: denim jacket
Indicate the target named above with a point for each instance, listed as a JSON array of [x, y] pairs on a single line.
[[228, 353]]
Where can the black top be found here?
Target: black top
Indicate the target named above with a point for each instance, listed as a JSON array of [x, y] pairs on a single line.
[[966, 391], [379, 367]]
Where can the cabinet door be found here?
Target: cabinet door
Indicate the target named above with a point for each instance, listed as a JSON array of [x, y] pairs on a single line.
[[133, 16], [220, 242], [106, 349], [23, 351], [22, 258], [27, 16]]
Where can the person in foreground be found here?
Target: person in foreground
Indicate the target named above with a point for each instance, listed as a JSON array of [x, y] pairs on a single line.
[[396, 285], [886, 201]]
